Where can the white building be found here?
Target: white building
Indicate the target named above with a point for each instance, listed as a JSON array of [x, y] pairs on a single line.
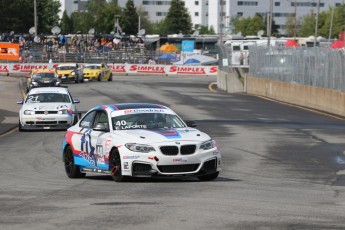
[[211, 12]]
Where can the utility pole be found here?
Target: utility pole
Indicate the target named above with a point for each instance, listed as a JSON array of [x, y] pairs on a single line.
[[295, 32], [331, 25], [139, 25], [35, 15], [317, 22], [221, 21]]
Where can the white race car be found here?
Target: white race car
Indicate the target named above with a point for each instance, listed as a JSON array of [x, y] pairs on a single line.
[[47, 108], [138, 140]]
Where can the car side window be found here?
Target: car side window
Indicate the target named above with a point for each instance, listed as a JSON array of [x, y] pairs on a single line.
[[101, 118], [87, 121]]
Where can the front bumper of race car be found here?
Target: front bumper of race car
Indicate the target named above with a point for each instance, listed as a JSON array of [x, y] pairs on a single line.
[[67, 78], [46, 121], [159, 165]]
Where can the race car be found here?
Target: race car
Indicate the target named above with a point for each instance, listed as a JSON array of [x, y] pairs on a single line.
[[42, 78], [70, 72], [97, 72], [47, 108], [139, 140]]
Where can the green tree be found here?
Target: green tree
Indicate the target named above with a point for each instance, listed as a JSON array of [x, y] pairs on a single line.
[[290, 26], [308, 25], [18, 15], [129, 18], [178, 19], [66, 23], [159, 28]]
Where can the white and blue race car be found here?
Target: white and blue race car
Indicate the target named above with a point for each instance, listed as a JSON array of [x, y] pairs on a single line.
[[138, 140]]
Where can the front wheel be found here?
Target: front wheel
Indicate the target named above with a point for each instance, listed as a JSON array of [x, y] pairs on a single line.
[[20, 127], [99, 78], [209, 177], [115, 166], [72, 170]]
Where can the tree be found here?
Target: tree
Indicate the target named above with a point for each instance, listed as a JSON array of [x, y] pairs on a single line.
[[308, 25], [129, 18], [178, 19], [290, 26], [66, 23]]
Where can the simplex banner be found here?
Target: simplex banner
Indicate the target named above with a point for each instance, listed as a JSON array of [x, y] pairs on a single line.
[[135, 69]]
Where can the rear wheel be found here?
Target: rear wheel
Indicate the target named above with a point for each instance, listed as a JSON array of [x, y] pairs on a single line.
[[115, 166], [209, 177], [110, 77], [72, 170]]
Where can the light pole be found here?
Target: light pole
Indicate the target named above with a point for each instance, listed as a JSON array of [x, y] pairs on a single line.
[[35, 15], [295, 30], [331, 25], [221, 21], [317, 22], [269, 23]]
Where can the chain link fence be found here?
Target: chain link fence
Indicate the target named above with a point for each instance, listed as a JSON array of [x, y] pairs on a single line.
[[319, 67]]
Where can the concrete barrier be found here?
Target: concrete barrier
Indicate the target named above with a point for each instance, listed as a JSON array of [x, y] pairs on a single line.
[[231, 82], [322, 99]]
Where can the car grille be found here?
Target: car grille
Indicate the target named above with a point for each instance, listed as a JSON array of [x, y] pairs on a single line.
[[139, 168], [178, 168], [48, 112], [46, 122], [174, 150]]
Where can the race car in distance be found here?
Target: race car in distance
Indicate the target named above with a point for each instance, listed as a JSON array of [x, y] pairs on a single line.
[[97, 72], [70, 72], [138, 140], [47, 108], [42, 78]]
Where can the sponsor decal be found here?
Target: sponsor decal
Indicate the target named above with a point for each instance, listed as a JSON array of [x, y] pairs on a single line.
[[144, 111], [9, 51], [180, 159], [131, 157], [88, 158], [147, 69], [186, 131], [187, 70], [168, 133], [125, 165], [153, 158], [26, 68]]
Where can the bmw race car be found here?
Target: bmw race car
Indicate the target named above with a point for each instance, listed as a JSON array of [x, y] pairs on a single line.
[[138, 140], [97, 72], [47, 108]]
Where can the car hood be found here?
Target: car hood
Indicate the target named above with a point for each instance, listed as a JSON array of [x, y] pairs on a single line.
[[44, 80], [46, 106], [162, 135], [64, 71], [91, 70]]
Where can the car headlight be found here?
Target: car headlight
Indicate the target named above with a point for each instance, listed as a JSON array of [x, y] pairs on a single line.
[[63, 111], [29, 112], [140, 148], [73, 73], [34, 83], [206, 145]]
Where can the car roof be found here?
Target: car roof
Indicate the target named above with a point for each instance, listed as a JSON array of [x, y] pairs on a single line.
[[43, 71], [48, 90], [125, 106]]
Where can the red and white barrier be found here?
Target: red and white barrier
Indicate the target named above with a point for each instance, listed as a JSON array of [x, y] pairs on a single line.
[[135, 69]]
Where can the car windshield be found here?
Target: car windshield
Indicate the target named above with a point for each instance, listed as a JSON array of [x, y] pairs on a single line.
[[48, 98], [147, 121], [92, 67], [66, 67], [44, 75]]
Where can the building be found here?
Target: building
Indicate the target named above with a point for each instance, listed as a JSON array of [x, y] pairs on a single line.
[[212, 13]]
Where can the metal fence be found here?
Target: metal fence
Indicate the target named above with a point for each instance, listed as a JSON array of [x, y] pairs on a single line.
[[319, 67]]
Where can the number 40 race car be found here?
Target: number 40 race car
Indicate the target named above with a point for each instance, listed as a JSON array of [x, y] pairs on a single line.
[[139, 140]]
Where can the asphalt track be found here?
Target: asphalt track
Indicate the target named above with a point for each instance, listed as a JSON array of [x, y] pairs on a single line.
[[283, 168]]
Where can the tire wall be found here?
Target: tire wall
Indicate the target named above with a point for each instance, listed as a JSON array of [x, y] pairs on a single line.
[[323, 99]]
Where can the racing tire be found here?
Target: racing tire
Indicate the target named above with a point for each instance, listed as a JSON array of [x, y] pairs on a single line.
[[110, 77], [99, 78], [20, 127], [72, 170], [208, 177], [77, 80], [115, 166]]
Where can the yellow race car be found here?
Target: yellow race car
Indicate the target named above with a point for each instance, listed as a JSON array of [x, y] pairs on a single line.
[[70, 72], [97, 72]]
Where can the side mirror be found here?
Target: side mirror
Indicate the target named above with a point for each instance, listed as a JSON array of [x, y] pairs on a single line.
[[20, 102], [76, 101], [101, 127], [191, 123]]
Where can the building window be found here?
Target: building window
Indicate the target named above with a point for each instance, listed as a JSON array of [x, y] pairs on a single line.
[[196, 3], [307, 4], [145, 2], [277, 4], [239, 14], [243, 3], [196, 14]]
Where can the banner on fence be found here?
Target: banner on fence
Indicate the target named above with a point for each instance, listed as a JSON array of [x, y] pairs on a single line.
[[9, 51], [135, 69]]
